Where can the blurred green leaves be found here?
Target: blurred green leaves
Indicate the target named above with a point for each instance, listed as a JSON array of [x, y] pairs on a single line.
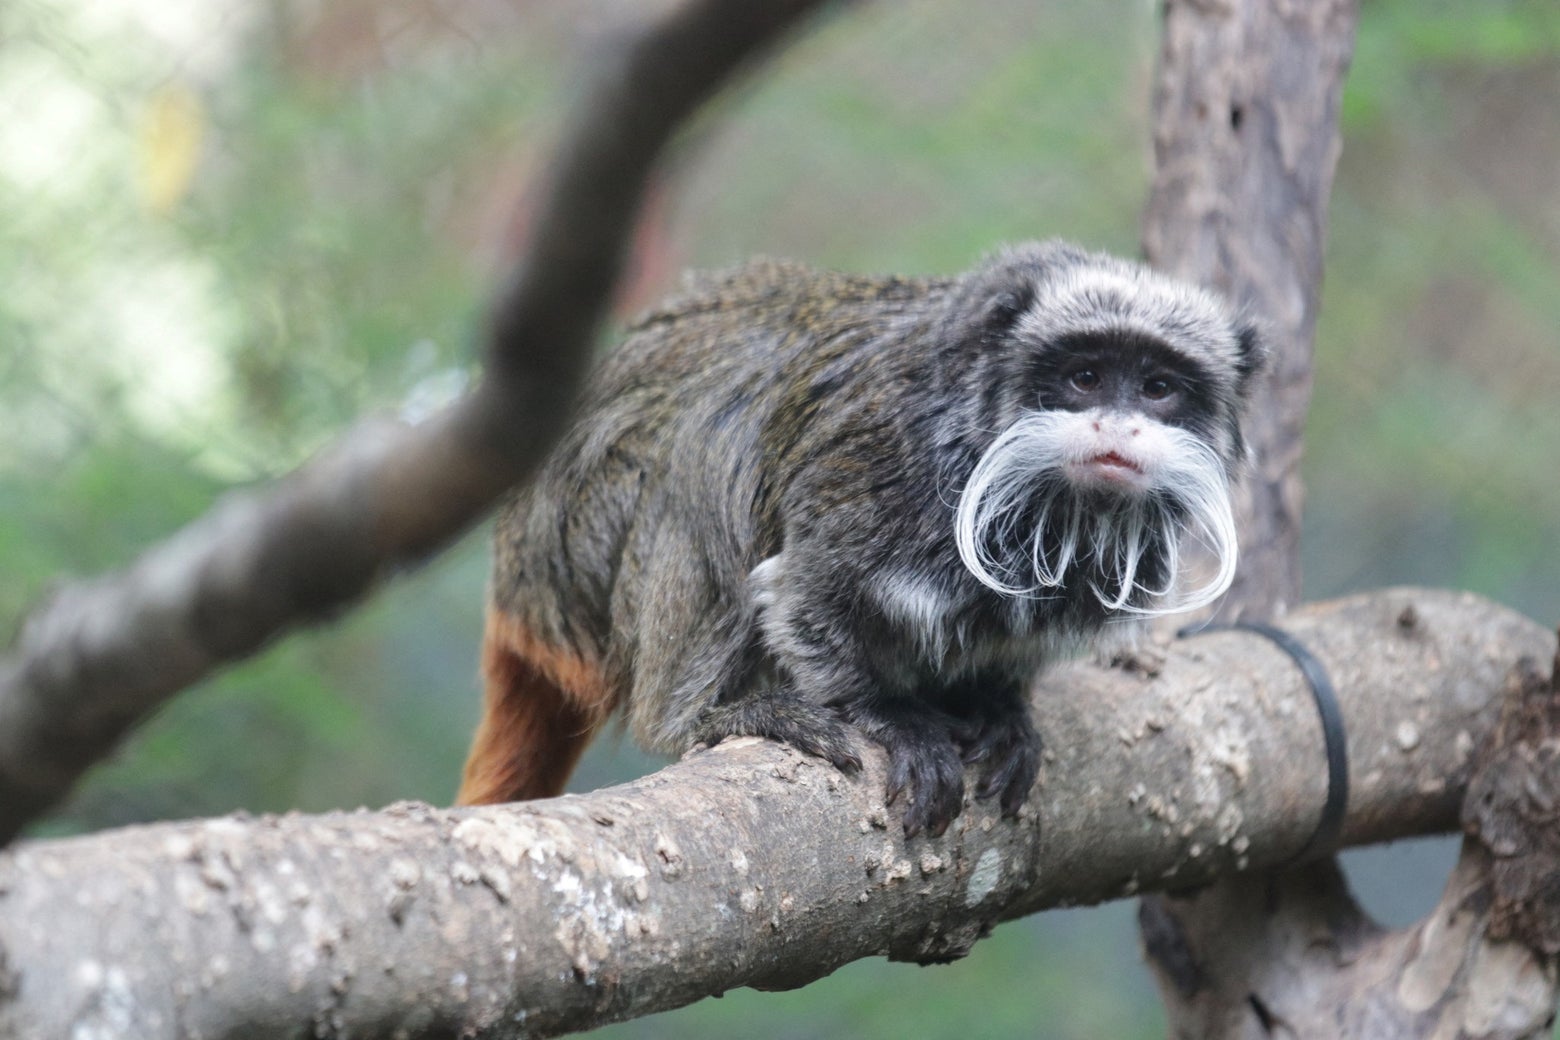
[[1403, 45]]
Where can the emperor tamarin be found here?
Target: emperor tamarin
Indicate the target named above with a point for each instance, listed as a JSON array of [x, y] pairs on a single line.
[[805, 505]]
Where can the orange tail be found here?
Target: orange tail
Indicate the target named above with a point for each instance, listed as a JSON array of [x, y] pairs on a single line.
[[540, 708]]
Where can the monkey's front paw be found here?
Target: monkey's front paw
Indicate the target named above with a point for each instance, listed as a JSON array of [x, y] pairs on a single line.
[[810, 728], [925, 774], [1006, 750]]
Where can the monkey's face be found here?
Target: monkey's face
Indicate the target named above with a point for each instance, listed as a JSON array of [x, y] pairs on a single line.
[[1111, 396], [1118, 455]]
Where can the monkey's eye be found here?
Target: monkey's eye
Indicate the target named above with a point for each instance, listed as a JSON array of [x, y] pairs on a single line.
[[1085, 379], [1157, 388]]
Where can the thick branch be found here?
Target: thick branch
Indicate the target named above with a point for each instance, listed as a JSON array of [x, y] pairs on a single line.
[[1291, 952], [748, 865], [100, 655]]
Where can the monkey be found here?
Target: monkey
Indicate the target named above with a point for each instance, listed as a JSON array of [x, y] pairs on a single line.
[[812, 507]]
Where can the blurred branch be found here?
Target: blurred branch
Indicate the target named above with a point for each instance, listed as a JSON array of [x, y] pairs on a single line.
[[748, 865], [100, 655]]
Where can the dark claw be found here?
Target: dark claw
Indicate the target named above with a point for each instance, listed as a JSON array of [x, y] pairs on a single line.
[[925, 776], [1006, 749], [926, 773]]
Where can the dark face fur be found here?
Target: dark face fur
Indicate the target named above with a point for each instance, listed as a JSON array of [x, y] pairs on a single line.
[[1125, 373]]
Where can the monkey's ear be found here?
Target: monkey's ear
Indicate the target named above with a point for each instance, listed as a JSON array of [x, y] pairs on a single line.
[[1004, 304], [1007, 284], [1251, 353], [992, 297], [984, 309]]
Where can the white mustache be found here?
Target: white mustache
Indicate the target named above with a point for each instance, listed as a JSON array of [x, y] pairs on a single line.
[[1019, 495]]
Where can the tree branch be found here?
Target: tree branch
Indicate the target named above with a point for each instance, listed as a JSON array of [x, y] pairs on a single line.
[[100, 655], [1293, 951], [747, 865]]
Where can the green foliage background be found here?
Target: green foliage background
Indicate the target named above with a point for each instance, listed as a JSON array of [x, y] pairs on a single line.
[[231, 228]]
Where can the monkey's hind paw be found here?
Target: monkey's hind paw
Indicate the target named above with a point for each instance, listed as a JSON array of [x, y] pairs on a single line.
[[926, 774], [810, 728], [1143, 658], [1006, 750]]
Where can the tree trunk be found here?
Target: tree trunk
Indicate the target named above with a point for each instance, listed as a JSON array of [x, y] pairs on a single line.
[[1246, 141]]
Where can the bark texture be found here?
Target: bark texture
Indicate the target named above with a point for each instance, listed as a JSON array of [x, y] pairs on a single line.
[[1290, 953], [101, 655], [748, 865], [1245, 145]]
